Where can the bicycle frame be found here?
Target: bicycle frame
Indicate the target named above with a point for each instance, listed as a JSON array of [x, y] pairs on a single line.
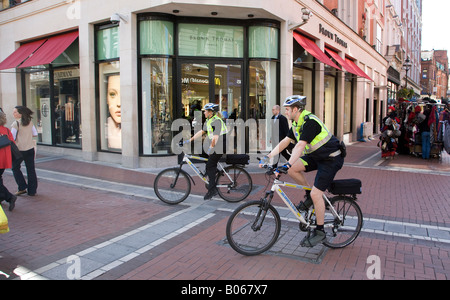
[[276, 187], [187, 159]]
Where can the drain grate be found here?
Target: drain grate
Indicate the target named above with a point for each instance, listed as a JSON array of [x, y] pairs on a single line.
[[288, 245]]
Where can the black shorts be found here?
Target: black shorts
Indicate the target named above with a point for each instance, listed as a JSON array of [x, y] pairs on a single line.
[[326, 169]]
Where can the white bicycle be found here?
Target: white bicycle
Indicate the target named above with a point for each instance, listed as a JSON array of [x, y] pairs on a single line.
[[254, 227], [234, 183]]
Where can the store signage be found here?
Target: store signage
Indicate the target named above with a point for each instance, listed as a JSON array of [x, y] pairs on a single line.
[[332, 36], [211, 40]]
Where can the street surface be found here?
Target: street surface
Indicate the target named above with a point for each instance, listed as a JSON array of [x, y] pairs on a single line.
[[100, 221]]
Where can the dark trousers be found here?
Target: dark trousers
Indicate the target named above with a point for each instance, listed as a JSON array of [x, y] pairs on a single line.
[[28, 158], [211, 165], [4, 193]]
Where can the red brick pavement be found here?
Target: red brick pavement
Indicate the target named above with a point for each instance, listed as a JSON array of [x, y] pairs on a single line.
[[63, 219]]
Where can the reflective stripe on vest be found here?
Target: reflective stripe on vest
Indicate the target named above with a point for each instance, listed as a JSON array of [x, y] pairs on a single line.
[[321, 139], [210, 129]]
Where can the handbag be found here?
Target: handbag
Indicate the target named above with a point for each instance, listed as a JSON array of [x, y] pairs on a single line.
[[4, 228], [4, 141]]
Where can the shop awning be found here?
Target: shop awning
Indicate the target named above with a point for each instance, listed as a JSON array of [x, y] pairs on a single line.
[[50, 50], [357, 69], [21, 54], [348, 65], [314, 50]]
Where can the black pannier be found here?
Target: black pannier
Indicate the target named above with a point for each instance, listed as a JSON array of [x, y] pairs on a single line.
[[237, 159], [345, 186]]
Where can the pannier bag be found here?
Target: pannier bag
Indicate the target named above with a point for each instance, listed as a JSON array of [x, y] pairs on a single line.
[[345, 186], [237, 159]]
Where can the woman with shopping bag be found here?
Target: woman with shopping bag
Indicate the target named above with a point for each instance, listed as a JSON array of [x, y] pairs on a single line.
[[5, 163]]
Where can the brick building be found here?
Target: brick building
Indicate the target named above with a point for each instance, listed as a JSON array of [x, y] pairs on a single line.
[[435, 73]]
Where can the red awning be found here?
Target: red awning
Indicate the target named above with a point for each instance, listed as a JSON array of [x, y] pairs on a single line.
[[357, 69], [51, 49], [348, 65], [314, 50], [21, 54]]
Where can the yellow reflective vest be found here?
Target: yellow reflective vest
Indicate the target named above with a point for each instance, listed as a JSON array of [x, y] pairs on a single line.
[[321, 139], [209, 128]]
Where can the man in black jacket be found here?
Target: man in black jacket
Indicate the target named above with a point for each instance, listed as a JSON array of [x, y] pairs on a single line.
[[280, 129]]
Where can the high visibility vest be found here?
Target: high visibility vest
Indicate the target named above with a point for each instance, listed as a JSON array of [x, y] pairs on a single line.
[[209, 128], [321, 139]]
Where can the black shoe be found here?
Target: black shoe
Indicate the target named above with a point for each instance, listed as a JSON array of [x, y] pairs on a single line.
[[316, 237], [305, 205], [12, 202], [211, 193]]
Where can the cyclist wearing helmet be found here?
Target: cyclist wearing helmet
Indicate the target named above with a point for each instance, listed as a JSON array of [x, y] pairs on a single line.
[[316, 149], [216, 130]]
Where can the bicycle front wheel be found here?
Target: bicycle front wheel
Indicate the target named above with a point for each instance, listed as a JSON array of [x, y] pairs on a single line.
[[234, 184], [343, 231], [252, 230], [172, 186]]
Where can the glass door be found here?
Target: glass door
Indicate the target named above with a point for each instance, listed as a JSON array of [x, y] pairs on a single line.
[[228, 90], [219, 83]]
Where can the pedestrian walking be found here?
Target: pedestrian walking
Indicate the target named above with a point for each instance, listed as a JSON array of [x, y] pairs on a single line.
[[5, 163], [23, 131]]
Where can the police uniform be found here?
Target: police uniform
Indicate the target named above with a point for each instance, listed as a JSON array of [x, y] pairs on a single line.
[[215, 126], [322, 152]]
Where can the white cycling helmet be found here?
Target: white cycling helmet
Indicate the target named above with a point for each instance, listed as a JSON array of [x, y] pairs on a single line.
[[211, 106], [295, 100]]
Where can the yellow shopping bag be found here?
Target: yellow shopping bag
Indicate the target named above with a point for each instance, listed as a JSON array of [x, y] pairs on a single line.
[[4, 228]]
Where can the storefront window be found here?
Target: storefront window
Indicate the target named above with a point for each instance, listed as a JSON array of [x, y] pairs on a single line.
[[263, 96], [303, 75], [67, 107], [348, 97], [108, 43], [329, 110], [163, 45], [109, 101], [157, 105], [263, 42], [110, 106], [302, 83], [37, 85]]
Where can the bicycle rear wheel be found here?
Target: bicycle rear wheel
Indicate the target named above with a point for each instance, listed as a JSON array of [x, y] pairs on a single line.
[[237, 186], [172, 186], [251, 230], [342, 233]]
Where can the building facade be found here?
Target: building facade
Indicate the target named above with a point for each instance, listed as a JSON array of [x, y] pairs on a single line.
[[435, 72], [106, 82]]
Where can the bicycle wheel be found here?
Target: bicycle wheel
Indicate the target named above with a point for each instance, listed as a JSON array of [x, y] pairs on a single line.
[[342, 233], [251, 230], [235, 186], [172, 186]]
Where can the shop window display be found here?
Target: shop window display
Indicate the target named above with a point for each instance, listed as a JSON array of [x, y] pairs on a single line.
[[263, 96], [110, 107], [157, 105]]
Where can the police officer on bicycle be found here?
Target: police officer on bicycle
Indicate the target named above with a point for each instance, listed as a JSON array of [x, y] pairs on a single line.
[[316, 149], [216, 130]]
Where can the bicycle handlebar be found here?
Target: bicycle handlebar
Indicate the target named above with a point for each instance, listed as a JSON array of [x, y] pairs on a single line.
[[271, 170]]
